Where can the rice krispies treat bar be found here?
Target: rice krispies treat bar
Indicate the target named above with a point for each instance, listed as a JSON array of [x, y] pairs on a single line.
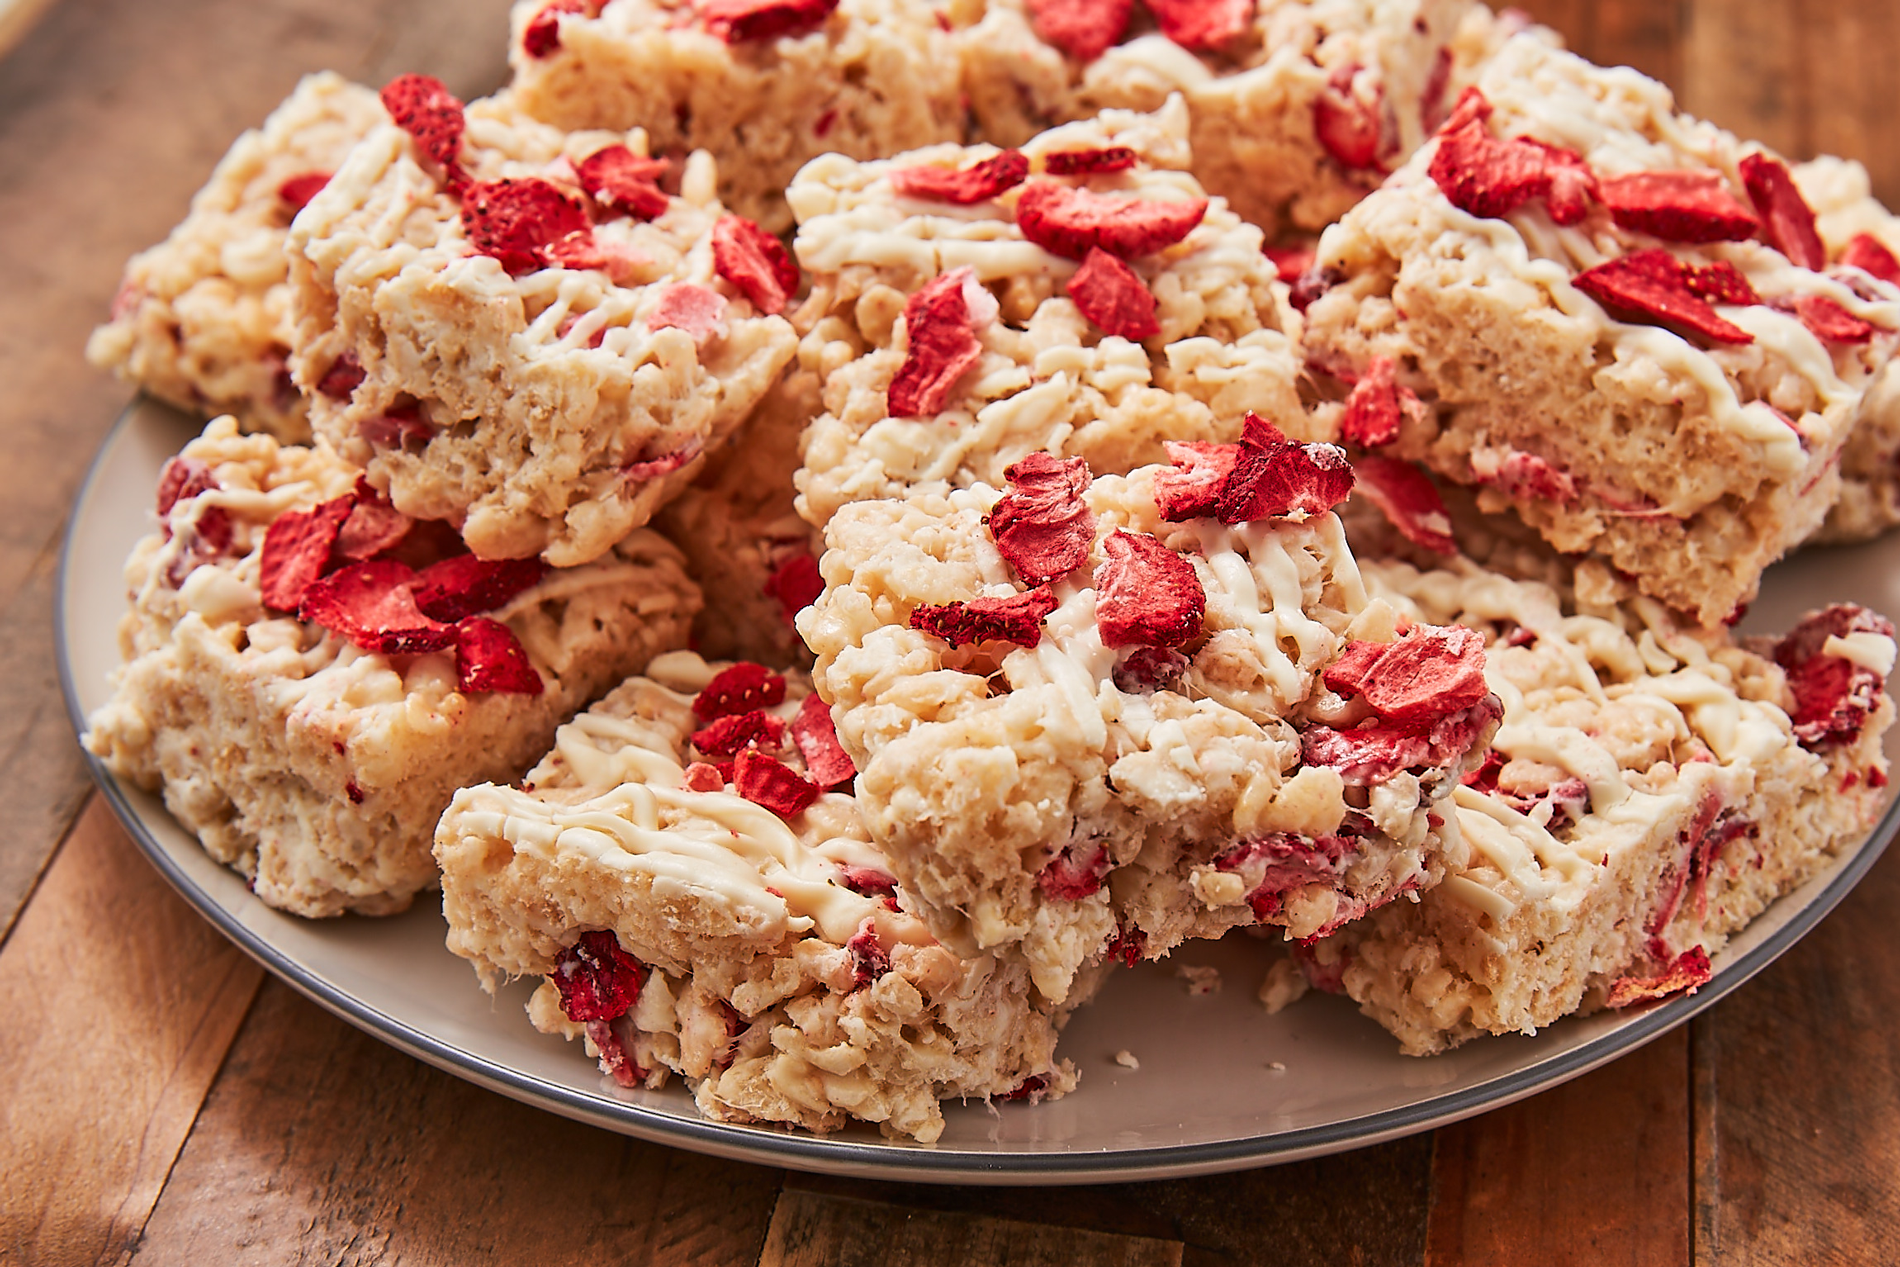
[[203, 319], [313, 767], [1299, 107], [549, 409], [1648, 796], [1144, 751], [1689, 457], [1048, 378], [872, 77], [769, 959]]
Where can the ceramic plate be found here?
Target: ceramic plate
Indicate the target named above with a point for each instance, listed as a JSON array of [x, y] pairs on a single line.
[[1221, 1085]]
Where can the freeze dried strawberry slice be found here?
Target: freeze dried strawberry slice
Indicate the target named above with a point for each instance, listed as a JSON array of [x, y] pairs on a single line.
[[1349, 126], [870, 882], [743, 21], [1042, 526], [1829, 321], [1076, 872], [422, 106], [1677, 206], [488, 657], [1375, 408], [1522, 476], [767, 781], [1192, 489], [341, 380], [739, 689], [1572, 183], [297, 191], [542, 36], [597, 980], [1113, 296], [1787, 221], [963, 186], [942, 346], [826, 762], [373, 526], [371, 604], [1068, 221], [1471, 107], [1866, 252], [1148, 669], [756, 263], [465, 585], [702, 777], [1374, 752], [182, 479], [620, 180], [869, 959], [684, 306], [1431, 671], [796, 584], [1652, 287], [1146, 594], [296, 552], [1720, 283], [1084, 29], [726, 736], [643, 469], [1202, 25], [1408, 499], [1686, 973], [1113, 158], [1483, 175], [1833, 695], [1017, 618], [1290, 263], [518, 222], [1274, 477]]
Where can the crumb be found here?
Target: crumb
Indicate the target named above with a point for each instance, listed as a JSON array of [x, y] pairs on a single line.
[[1200, 980], [1277, 1066], [1285, 985], [1126, 1059]]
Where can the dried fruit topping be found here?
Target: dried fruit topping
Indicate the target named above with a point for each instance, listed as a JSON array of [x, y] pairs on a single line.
[[1522, 476], [1127, 946], [1828, 320], [940, 329], [726, 736], [1572, 183], [1114, 158], [684, 306], [297, 191], [519, 222], [598, 980], [1472, 106], [739, 689], [182, 479], [1306, 289], [1488, 177], [796, 584], [1374, 752], [1291, 262], [343, 377], [1720, 283], [1406, 497], [373, 526], [620, 180], [642, 469], [1192, 489], [1280, 861], [1431, 671], [488, 657], [1375, 408], [1146, 594], [1431, 101], [465, 585], [869, 959], [756, 263], [1677, 206], [1653, 287], [1068, 221], [1113, 296], [1350, 126], [765, 780], [205, 538], [371, 604], [422, 106], [1076, 872], [1275, 477], [1042, 526], [1833, 695], [870, 882], [1148, 669], [1867, 253], [542, 36], [1202, 25], [1787, 221], [1084, 29], [963, 186], [1686, 973], [742, 21], [1017, 618], [826, 762], [296, 551]]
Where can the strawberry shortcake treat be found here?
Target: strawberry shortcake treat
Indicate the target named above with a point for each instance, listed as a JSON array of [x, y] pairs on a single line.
[[1078, 296], [762, 85], [203, 320], [1615, 321], [688, 873], [310, 674], [1096, 717], [516, 329], [1653, 787]]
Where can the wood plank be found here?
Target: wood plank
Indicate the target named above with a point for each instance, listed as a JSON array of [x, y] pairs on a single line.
[[1593, 1172], [1744, 66], [811, 1229], [17, 18], [1849, 52], [320, 1144], [120, 1002]]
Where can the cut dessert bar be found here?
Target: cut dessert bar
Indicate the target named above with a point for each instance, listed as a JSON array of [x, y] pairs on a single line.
[[763, 85], [314, 755], [515, 329], [970, 306], [203, 318], [1094, 718], [699, 903], [1618, 321], [1652, 788]]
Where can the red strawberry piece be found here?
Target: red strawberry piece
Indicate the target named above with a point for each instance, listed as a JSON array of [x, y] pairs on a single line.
[[1146, 594], [1431, 102], [739, 689], [1787, 221], [1522, 476], [1042, 526], [796, 584], [1677, 206], [1309, 286], [1030, 1088], [598, 981], [1471, 107], [1652, 287], [488, 657], [1408, 499], [702, 777], [1114, 158], [343, 377], [1068, 221], [1148, 669], [942, 346], [694, 309], [826, 762], [1076, 872], [620, 180], [1867, 253], [1831, 322], [1483, 175], [743, 21], [1276, 477], [182, 479], [1572, 183], [726, 736], [871, 882], [767, 781], [205, 538], [1485, 777], [978, 182], [869, 959], [1291, 262], [422, 106], [1127, 945], [371, 605], [1202, 25], [1017, 618], [1192, 489], [756, 263], [1686, 973], [297, 191], [1113, 296], [296, 551], [398, 429], [1083, 29], [1373, 411], [373, 526], [464, 585], [1833, 696], [1374, 752], [1430, 672], [1349, 127], [517, 221], [542, 36], [1720, 283], [642, 469]]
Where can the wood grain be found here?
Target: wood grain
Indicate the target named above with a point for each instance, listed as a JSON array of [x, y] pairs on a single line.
[[811, 1229], [120, 1001]]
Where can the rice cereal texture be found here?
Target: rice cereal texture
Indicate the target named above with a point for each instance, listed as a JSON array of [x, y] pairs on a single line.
[[314, 768]]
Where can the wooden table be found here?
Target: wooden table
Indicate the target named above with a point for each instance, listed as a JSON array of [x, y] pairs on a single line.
[[162, 1101]]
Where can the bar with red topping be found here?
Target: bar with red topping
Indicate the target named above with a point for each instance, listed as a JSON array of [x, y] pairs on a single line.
[[517, 329], [688, 874], [310, 674]]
